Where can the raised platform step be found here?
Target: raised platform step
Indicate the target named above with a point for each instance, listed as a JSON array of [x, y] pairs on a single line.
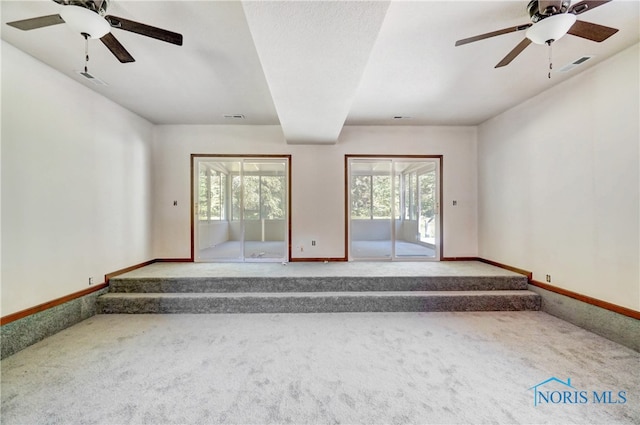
[[318, 302], [210, 284], [317, 287]]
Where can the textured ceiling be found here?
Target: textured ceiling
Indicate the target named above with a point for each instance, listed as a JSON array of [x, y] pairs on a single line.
[[314, 66], [314, 91]]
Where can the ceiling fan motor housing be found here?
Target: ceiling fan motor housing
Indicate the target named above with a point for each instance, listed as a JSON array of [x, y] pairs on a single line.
[[98, 6], [550, 8]]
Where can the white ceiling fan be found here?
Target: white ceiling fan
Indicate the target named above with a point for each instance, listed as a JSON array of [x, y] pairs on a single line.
[[89, 18], [550, 21]]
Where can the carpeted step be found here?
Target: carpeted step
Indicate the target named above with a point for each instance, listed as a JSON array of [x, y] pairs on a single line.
[[316, 284], [318, 302]]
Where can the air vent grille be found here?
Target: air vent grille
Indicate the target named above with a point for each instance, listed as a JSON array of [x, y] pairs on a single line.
[[95, 80], [575, 63], [234, 116]]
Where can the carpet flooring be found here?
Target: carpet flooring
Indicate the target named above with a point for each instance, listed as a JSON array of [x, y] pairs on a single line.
[[350, 368], [316, 269]]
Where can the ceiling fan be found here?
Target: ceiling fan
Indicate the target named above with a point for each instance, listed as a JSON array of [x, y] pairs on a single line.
[[551, 20], [89, 18]]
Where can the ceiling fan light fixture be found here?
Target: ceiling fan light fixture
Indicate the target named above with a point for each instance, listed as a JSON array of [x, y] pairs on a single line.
[[84, 21], [551, 29]]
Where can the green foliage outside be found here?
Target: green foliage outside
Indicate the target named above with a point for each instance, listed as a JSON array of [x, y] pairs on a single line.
[[371, 196], [264, 196], [211, 195]]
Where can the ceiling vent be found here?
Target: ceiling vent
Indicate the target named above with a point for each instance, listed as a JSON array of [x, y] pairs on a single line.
[[401, 117], [234, 116], [575, 63], [95, 80]]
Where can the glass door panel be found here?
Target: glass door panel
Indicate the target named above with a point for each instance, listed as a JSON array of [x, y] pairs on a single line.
[[265, 210], [371, 209], [217, 236], [428, 206], [417, 205]]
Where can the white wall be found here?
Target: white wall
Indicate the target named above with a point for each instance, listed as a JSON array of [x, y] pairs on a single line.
[[76, 189], [559, 183], [317, 180]]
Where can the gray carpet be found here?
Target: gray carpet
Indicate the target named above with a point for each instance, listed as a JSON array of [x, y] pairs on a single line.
[[185, 288], [356, 368], [315, 269]]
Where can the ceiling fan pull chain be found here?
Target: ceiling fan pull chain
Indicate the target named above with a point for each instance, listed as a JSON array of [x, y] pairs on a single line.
[[550, 61], [86, 53]]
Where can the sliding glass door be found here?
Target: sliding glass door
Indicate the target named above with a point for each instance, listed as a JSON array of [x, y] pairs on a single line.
[[241, 209], [393, 208]]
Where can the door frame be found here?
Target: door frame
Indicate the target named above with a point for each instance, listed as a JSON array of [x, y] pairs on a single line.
[[196, 156], [347, 207]]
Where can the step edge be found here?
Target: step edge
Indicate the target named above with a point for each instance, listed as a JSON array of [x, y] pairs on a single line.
[[354, 294]]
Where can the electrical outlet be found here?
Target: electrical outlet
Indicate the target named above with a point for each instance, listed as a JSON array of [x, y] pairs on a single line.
[[90, 281], [549, 278], [313, 243]]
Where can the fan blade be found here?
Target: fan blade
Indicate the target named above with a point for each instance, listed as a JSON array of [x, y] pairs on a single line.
[[33, 23], [590, 31], [116, 48], [586, 5], [515, 52], [492, 34], [147, 30]]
